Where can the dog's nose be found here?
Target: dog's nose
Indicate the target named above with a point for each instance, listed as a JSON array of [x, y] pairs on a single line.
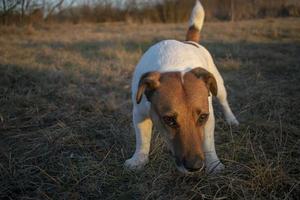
[[194, 164]]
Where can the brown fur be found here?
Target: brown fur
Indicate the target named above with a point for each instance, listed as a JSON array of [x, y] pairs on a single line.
[[208, 79], [193, 34], [148, 83], [183, 100]]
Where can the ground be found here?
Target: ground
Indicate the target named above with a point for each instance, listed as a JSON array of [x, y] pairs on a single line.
[[65, 112]]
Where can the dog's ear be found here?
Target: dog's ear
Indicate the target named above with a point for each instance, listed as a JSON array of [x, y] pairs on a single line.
[[208, 78], [148, 83]]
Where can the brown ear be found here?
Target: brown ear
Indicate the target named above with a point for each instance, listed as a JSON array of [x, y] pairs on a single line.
[[208, 78], [148, 83]]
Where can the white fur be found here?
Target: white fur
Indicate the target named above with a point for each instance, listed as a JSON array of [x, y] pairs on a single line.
[[172, 55], [197, 17]]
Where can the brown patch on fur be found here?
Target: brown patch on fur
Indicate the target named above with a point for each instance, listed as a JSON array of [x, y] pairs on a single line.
[[208, 78], [148, 83], [178, 104], [193, 34]]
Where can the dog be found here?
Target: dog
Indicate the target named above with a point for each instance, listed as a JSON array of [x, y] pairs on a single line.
[[172, 88]]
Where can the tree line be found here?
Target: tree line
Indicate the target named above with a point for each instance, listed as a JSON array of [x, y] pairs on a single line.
[[77, 11]]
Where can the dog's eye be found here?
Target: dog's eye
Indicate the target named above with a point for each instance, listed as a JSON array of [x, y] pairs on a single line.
[[202, 118], [170, 121]]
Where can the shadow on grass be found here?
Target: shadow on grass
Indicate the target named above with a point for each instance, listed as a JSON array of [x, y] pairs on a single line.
[[58, 127]]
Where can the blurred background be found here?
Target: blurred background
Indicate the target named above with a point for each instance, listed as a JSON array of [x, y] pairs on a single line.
[[142, 11]]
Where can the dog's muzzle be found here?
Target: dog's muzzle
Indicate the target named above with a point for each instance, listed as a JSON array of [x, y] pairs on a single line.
[[190, 166]]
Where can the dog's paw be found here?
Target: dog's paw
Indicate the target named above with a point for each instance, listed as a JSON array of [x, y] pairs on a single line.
[[136, 162], [215, 168], [231, 120]]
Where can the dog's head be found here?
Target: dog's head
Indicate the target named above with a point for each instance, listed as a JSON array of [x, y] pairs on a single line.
[[180, 108]]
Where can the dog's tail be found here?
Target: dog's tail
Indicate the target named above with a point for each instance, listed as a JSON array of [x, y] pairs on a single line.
[[195, 23]]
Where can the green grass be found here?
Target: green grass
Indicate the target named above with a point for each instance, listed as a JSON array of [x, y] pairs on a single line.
[[65, 113]]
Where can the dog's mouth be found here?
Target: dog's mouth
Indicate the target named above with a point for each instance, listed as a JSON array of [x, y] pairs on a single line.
[[183, 170]]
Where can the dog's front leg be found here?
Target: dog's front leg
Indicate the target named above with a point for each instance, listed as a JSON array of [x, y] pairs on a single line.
[[143, 132], [212, 162]]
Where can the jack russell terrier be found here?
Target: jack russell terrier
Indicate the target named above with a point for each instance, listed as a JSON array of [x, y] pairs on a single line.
[[172, 89]]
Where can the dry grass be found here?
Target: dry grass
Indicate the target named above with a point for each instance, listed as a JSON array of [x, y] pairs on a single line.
[[65, 114]]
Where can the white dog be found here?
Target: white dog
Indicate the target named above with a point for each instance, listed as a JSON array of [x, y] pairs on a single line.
[[171, 88]]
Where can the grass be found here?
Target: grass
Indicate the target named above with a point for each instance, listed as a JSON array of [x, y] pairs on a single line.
[[65, 114]]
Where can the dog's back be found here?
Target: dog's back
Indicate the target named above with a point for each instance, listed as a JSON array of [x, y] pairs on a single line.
[[171, 55]]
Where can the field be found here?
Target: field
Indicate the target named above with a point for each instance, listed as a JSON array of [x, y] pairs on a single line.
[[65, 112]]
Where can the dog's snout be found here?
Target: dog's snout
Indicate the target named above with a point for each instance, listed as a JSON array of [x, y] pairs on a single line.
[[193, 164]]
